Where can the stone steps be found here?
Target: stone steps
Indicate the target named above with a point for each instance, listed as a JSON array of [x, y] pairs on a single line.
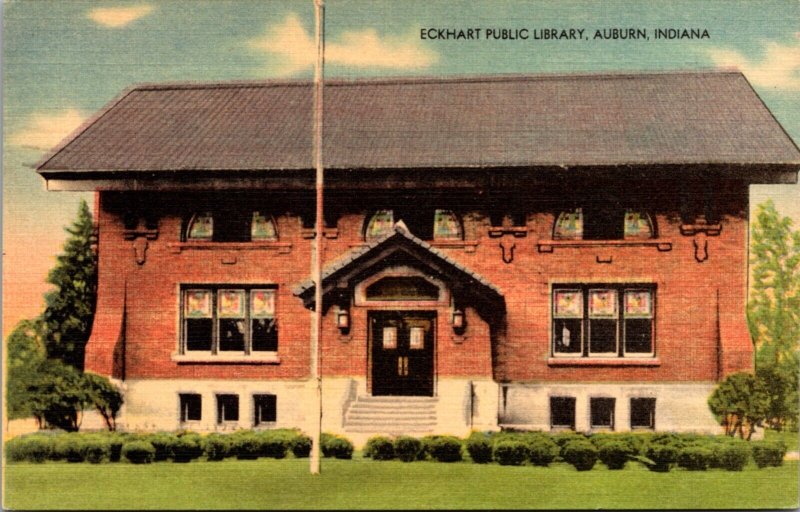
[[391, 415]]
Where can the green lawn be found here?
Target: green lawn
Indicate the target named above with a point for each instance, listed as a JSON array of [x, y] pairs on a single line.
[[269, 484]]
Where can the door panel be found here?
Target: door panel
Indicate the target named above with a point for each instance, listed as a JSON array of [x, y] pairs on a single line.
[[402, 352]]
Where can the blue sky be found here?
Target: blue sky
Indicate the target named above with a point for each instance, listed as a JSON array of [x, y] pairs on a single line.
[[63, 60]]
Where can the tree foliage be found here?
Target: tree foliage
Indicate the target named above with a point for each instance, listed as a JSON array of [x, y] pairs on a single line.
[[105, 397], [740, 404], [26, 351], [70, 307], [774, 311]]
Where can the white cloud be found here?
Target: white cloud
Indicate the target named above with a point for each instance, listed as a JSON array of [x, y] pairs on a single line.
[[360, 49], [778, 69], [44, 131], [116, 17]]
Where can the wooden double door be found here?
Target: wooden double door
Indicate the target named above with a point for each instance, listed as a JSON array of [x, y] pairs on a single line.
[[402, 352]]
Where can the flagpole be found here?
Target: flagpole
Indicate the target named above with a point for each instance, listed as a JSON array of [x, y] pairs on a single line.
[[316, 429]]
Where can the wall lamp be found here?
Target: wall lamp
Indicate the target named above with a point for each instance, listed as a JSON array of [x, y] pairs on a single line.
[[343, 320], [459, 321]]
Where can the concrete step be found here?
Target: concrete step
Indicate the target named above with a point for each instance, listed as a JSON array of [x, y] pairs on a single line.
[[391, 415]]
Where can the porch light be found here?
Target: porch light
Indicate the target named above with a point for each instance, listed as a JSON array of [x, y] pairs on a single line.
[[343, 320], [459, 323]]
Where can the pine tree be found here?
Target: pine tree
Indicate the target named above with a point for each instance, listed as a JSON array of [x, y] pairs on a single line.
[[70, 307], [774, 310]]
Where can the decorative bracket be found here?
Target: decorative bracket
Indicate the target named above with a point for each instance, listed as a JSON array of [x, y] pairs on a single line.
[[516, 231], [140, 235], [140, 250], [701, 230], [507, 251]]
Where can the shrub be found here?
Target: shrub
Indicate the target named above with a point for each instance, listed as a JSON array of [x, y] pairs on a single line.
[[581, 454], [562, 438], [443, 448], [614, 453], [186, 448], [732, 456], [300, 446], [407, 448], [115, 442], [479, 448], [510, 452], [96, 449], [139, 452], [542, 450], [335, 446], [275, 443], [380, 448], [70, 447], [162, 443], [694, 458], [662, 456], [31, 448], [216, 447], [768, 453], [246, 446]]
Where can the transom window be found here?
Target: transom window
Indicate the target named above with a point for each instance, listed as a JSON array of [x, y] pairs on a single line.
[[229, 319], [232, 226], [402, 288], [603, 223], [603, 320]]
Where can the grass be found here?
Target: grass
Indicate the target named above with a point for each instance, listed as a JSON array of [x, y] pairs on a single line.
[[362, 483]]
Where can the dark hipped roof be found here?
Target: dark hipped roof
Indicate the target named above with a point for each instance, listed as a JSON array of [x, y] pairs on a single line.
[[400, 246], [511, 121]]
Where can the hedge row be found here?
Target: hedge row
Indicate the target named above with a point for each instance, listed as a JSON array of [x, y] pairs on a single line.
[[659, 452], [145, 448]]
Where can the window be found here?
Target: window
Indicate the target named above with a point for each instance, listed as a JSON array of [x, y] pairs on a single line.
[[603, 320], [229, 320], [643, 413], [603, 223], [446, 226], [402, 288], [379, 225], [562, 412], [232, 226], [601, 413], [266, 410], [227, 408], [191, 407]]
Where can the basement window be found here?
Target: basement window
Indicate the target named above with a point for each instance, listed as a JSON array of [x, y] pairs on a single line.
[[643, 413], [266, 410], [229, 320], [227, 408], [601, 412], [562, 412], [190, 406]]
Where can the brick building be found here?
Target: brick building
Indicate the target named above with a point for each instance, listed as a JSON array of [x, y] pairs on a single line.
[[542, 252]]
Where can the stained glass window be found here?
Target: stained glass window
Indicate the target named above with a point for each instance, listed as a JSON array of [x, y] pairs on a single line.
[[263, 227], [602, 303], [380, 225], [262, 303], [389, 338], [568, 303], [568, 323], [416, 338], [638, 304], [201, 227], [638, 224], [569, 225], [198, 323], [446, 226]]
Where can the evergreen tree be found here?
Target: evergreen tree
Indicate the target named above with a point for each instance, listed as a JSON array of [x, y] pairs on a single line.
[[774, 310], [70, 307]]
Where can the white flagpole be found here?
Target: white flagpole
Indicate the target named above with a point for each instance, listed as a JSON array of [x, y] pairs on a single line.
[[316, 430]]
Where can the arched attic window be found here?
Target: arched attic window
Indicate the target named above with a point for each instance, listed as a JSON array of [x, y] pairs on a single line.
[[446, 226], [379, 225], [569, 225], [638, 224], [263, 227], [201, 227]]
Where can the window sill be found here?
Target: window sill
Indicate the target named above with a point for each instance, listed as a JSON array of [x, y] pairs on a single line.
[[550, 245], [603, 361], [253, 358], [467, 245], [281, 247]]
